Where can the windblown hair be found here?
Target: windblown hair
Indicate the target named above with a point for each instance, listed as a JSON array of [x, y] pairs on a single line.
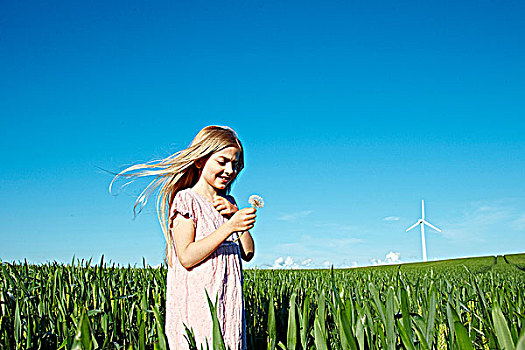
[[179, 171]]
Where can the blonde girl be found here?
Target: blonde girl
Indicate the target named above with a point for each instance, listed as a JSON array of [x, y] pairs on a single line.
[[201, 222]]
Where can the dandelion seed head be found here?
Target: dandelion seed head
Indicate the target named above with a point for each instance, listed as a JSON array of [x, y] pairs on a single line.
[[256, 201]]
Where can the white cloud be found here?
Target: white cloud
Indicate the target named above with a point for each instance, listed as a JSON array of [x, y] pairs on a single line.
[[282, 263], [391, 258], [391, 218], [294, 216], [306, 262], [289, 262]]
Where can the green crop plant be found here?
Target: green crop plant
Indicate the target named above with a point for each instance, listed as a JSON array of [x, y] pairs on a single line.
[[476, 303]]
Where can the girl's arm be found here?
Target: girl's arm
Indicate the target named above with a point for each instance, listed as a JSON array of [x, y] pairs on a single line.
[[227, 207], [247, 246], [191, 252]]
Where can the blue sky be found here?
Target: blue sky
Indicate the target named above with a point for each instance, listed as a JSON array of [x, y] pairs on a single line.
[[350, 113]]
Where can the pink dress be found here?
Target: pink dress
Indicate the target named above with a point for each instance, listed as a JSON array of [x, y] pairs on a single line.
[[220, 274]]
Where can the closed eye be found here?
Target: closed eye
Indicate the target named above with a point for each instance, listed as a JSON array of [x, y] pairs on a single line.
[[223, 161]]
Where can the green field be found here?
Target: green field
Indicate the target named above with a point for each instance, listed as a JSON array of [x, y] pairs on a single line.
[[452, 304]]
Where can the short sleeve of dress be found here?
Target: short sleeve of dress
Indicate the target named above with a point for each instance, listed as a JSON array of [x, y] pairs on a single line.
[[183, 204]]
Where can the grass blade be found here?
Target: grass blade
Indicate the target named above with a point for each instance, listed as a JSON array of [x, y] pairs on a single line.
[[502, 329], [305, 321], [82, 339], [218, 340], [272, 332], [405, 338], [462, 338], [390, 330], [521, 342], [291, 335], [159, 321], [431, 316], [319, 335]]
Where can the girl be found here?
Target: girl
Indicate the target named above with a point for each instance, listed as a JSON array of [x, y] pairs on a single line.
[[201, 228]]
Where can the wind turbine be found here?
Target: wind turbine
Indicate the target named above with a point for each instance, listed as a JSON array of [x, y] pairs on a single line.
[[423, 222]]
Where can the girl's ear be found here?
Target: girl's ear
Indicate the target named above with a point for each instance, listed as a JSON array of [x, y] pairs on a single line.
[[199, 163]]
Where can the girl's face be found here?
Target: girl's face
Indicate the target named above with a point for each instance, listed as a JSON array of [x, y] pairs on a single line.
[[220, 169]]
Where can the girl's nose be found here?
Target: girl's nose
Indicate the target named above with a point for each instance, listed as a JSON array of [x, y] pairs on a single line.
[[229, 168]]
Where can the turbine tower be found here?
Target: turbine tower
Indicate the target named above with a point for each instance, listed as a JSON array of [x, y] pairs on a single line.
[[423, 222]]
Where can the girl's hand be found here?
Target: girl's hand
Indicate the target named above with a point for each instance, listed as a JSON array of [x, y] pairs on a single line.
[[243, 220], [224, 207]]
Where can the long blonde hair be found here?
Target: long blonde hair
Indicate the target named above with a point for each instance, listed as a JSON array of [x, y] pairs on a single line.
[[179, 171]]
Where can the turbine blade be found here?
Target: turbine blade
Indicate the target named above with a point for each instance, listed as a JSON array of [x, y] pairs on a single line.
[[431, 226], [411, 227], [423, 209]]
